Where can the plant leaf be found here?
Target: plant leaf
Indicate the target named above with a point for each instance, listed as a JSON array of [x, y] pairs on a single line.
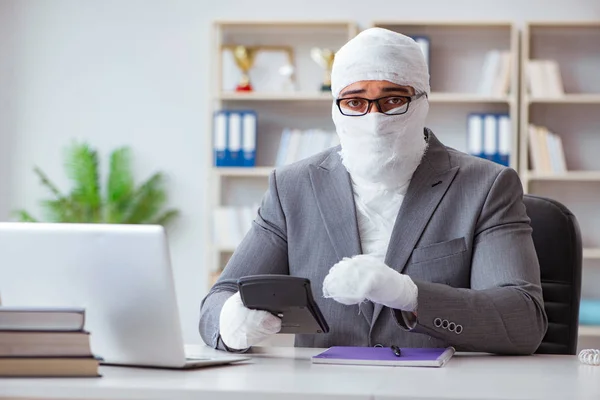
[[48, 183], [166, 217], [120, 186], [82, 168], [60, 210], [24, 216], [147, 201]]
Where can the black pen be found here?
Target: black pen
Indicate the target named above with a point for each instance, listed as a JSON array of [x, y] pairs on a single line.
[[396, 350]]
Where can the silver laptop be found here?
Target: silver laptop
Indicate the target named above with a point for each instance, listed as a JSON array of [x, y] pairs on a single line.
[[121, 275]]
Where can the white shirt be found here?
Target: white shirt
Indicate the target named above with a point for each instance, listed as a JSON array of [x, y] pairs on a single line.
[[376, 212]]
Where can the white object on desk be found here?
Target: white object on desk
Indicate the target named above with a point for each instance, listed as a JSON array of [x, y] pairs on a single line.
[[287, 373], [120, 274]]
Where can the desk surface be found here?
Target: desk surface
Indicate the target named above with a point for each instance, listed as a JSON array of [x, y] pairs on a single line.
[[287, 373]]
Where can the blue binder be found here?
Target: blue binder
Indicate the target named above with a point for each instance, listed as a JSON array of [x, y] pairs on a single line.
[[475, 135], [220, 122], [249, 127], [504, 139], [234, 138]]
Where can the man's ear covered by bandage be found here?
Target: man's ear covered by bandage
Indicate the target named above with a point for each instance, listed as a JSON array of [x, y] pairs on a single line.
[[381, 153]]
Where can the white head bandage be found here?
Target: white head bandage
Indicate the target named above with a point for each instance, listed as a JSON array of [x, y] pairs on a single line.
[[379, 54], [381, 152]]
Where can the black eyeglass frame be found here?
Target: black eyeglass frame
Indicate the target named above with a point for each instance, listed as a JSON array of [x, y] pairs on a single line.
[[409, 99]]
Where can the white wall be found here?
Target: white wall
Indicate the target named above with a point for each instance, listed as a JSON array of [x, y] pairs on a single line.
[[132, 72], [7, 103]]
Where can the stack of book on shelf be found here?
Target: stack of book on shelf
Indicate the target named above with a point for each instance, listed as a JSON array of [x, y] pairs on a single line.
[[489, 136], [230, 225], [546, 151], [495, 74], [235, 138], [45, 343], [589, 312], [543, 79], [297, 144]]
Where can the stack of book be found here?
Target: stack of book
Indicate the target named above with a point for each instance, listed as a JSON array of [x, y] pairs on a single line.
[[230, 225], [546, 151], [495, 74], [543, 79], [296, 144], [45, 343], [489, 136]]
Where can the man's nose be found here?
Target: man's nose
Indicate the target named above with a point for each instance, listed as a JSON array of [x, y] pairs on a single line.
[[372, 108]]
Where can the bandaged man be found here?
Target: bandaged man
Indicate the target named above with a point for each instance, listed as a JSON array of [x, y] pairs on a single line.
[[405, 241]]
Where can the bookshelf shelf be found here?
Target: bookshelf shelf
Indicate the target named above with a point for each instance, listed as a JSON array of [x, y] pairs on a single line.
[[572, 176], [566, 99], [441, 97], [243, 172], [225, 249], [434, 97], [591, 253], [588, 330], [291, 96]]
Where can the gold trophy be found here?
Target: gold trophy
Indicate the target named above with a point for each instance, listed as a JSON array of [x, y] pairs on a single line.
[[324, 57], [244, 58]]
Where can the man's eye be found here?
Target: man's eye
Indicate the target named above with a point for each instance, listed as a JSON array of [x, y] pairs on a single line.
[[395, 100], [354, 103]]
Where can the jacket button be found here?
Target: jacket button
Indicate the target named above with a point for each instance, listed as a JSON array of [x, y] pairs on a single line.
[[445, 324], [451, 326], [459, 329], [378, 345], [437, 322]]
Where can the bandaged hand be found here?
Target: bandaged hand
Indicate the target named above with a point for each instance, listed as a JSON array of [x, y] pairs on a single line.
[[364, 277], [241, 327]]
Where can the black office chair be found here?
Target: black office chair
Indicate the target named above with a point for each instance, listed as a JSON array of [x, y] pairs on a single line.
[[557, 241]]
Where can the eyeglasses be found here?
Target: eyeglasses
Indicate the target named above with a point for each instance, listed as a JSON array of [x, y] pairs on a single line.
[[389, 105]]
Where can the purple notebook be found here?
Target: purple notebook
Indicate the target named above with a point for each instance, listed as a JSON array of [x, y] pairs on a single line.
[[385, 356]]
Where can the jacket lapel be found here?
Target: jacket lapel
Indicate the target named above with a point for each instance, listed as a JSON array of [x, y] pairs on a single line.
[[427, 188], [333, 192], [335, 200]]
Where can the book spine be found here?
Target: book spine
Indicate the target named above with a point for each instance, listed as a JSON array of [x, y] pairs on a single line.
[[220, 139], [234, 144], [490, 137], [249, 139], [475, 135]]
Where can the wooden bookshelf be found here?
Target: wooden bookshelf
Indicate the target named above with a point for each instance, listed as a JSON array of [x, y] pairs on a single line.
[[291, 96], [440, 97], [242, 172], [435, 97], [305, 107], [585, 98], [575, 117], [570, 176]]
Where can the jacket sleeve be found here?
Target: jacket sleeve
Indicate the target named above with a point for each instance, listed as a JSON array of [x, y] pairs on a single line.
[[262, 251], [503, 311]]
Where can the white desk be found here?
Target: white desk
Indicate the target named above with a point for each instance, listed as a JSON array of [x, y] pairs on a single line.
[[287, 373]]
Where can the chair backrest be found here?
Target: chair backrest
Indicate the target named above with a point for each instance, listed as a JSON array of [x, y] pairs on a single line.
[[557, 241]]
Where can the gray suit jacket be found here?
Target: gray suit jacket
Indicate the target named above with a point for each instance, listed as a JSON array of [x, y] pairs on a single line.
[[462, 234]]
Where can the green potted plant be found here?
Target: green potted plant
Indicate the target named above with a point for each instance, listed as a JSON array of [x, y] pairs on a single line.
[[121, 201]]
